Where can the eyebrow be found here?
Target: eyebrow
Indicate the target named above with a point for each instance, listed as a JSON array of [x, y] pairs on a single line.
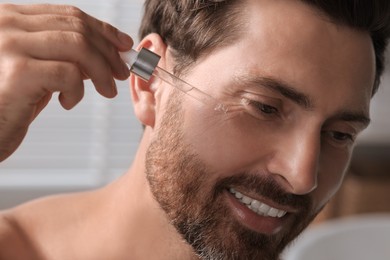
[[279, 86], [300, 98], [350, 116]]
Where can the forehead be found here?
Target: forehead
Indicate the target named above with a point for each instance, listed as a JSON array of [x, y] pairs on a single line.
[[292, 41]]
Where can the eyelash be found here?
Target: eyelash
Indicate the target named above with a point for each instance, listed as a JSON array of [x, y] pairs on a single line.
[[262, 109], [345, 135], [345, 139], [341, 137], [267, 109]]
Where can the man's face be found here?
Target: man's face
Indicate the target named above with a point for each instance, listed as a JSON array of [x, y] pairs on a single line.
[[242, 184]]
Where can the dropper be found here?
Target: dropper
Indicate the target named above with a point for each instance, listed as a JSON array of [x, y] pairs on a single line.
[[144, 65]]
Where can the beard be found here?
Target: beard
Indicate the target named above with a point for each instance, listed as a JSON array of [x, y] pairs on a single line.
[[194, 199]]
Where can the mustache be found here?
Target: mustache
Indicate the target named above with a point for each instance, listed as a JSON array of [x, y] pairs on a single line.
[[266, 187]]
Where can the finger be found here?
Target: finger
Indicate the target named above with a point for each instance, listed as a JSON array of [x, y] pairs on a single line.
[[73, 24], [35, 80], [121, 40], [63, 77], [74, 48]]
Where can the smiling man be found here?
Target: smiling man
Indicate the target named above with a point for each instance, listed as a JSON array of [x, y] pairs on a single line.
[[296, 79]]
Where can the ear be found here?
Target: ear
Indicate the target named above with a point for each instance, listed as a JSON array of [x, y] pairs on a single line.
[[144, 93]]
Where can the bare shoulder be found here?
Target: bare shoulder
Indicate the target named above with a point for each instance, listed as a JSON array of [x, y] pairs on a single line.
[[46, 228], [14, 243], [8, 236]]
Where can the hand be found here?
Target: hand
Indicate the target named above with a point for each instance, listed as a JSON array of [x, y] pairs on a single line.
[[52, 48]]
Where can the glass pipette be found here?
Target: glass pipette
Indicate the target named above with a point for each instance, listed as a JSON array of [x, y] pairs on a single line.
[[144, 65]]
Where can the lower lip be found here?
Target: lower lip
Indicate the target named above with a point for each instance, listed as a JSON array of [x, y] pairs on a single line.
[[253, 221]]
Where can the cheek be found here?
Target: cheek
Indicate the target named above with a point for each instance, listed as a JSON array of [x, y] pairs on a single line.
[[331, 175], [225, 142]]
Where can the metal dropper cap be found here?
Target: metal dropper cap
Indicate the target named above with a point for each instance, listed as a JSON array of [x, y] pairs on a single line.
[[142, 63]]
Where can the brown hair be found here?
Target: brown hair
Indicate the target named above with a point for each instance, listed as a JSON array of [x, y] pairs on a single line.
[[193, 28]]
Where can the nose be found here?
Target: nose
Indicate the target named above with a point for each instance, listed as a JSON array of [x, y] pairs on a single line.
[[296, 161]]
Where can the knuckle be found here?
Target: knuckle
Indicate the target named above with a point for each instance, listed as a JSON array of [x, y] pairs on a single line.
[[7, 21], [74, 11], [80, 26], [73, 70], [8, 43], [14, 68], [80, 40], [66, 73], [17, 66], [59, 73], [108, 29]]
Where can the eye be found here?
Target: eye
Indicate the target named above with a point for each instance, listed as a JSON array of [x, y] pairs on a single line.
[[267, 109], [260, 109], [340, 138]]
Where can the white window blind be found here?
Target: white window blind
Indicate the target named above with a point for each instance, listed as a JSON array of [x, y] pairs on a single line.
[[89, 145]]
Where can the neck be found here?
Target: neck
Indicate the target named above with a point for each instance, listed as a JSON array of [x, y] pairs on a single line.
[[138, 215]]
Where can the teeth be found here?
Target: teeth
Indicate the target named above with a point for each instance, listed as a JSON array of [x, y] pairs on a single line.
[[281, 213], [257, 206], [246, 200], [273, 212], [238, 195]]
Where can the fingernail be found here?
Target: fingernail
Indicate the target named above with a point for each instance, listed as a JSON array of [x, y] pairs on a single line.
[[125, 39], [114, 90]]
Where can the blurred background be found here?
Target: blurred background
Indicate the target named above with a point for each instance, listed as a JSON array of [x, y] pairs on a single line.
[[95, 142]]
